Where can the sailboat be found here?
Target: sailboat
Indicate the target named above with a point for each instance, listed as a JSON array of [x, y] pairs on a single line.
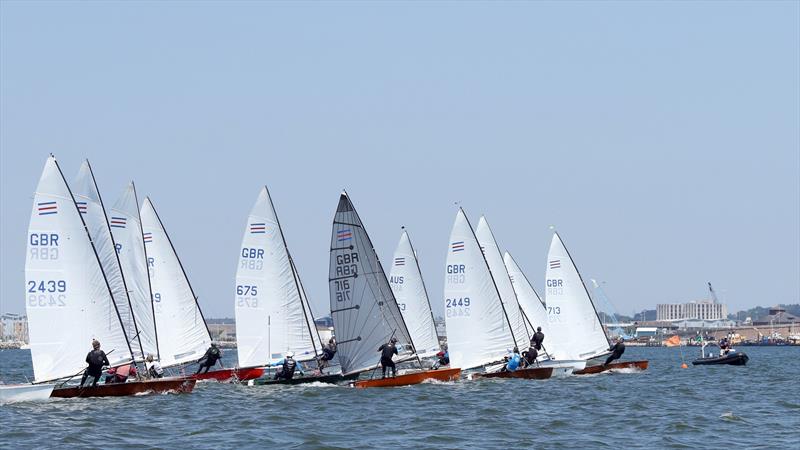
[[479, 334], [69, 299], [535, 310], [364, 310], [273, 315], [573, 319], [408, 288]]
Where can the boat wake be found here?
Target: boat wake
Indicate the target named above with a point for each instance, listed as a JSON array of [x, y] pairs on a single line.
[[731, 417], [319, 384]]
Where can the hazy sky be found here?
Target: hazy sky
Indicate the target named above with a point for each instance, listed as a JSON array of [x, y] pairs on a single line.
[[661, 139]]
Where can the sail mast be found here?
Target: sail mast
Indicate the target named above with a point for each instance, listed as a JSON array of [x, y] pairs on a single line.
[[147, 267], [422, 280], [94, 250]]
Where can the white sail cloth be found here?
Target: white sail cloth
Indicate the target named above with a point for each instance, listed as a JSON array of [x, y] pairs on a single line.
[[478, 332], [182, 332], [491, 252], [126, 226], [90, 204], [271, 317], [529, 300], [573, 321], [364, 311], [412, 298], [68, 300]]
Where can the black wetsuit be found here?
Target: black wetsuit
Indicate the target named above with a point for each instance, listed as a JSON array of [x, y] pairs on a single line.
[[328, 352], [287, 370], [616, 351], [530, 356], [96, 360], [537, 339], [213, 354], [387, 350]]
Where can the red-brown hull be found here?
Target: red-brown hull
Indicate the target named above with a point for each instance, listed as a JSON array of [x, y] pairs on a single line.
[[411, 378], [534, 373], [231, 375], [160, 385], [639, 365]]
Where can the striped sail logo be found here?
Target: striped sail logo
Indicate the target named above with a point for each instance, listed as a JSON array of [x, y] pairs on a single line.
[[47, 208], [555, 264], [148, 237], [344, 235], [258, 228], [118, 222], [399, 261], [457, 246], [83, 207]]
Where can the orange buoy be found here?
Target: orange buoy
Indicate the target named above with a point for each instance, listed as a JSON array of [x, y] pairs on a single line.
[[684, 366]]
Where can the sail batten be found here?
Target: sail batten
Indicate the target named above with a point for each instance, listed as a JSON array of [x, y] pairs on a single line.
[[572, 318], [363, 307], [69, 300], [271, 318], [183, 335], [478, 332]]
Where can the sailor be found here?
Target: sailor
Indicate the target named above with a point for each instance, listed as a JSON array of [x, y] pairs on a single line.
[[153, 367], [120, 374], [328, 352], [96, 360], [616, 351], [529, 356], [387, 351], [443, 358], [212, 355], [288, 366], [513, 360], [724, 346], [537, 339]]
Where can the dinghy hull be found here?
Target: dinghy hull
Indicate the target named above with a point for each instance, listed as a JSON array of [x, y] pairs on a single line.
[[731, 359], [638, 365], [411, 378], [157, 386], [231, 375], [329, 379], [25, 392], [533, 373]]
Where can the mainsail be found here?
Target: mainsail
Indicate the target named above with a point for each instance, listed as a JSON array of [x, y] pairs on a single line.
[[478, 332], [573, 321], [364, 311], [182, 332], [90, 204], [68, 299], [409, 290], [271, 310], [491, 252], [126, 226], [528, 299]]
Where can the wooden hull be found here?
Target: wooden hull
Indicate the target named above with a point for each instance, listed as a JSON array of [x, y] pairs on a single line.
[[160, 385], [330, 379], [533, 373], [731, 359], [231, 375], [25, 392], [638, 365], [411, 378]]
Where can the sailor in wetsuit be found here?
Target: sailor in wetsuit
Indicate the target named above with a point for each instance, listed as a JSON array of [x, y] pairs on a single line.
[[387, 351], [529, 356], [616, 351], [288, 366], [213, 354], [537, 339], [328, 352], [96, 360]]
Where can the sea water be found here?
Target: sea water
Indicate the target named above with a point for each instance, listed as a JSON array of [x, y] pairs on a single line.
[[755, 406]]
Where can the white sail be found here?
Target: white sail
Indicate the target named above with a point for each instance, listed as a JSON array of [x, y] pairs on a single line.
[[528, 299], [90, 204], [68, 300], [126, 226], [491, 252], [412, 298], [478, 332], [270, 310], [182, 332], [573, 321], [365, 313]]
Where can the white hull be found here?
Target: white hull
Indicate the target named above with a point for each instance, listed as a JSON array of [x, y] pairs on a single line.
[[563, 368], [25, 392]]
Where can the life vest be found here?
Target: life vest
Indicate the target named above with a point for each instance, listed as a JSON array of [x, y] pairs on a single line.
[[289, 364]]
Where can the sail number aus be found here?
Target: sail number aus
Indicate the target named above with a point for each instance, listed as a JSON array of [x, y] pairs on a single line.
[[47, 293]]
